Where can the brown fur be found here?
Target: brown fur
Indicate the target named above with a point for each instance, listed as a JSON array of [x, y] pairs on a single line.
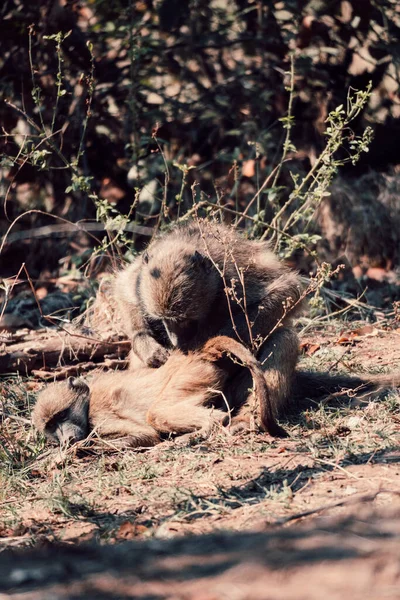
[[146, 402], [174, 296], [171, 411], [112, 411]]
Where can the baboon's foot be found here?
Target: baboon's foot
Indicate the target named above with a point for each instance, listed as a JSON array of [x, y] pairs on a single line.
[[201, 435]]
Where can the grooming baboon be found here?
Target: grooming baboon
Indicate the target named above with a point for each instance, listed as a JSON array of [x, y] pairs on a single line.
[[205, 279], [145, 402]]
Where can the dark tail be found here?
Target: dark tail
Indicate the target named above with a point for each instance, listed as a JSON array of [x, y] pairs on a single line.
[[216, 347]]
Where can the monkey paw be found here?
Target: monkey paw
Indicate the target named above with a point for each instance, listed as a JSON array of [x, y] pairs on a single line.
[[157, 358]]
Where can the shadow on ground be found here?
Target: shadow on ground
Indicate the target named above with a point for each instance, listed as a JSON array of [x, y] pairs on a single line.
[[357, 555]]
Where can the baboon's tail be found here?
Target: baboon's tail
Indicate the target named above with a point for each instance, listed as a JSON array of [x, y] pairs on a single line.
[[309, 386], [216, 347]]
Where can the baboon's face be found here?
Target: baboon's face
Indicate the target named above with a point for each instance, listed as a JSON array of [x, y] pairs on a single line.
[[181, 331], [177, 287], [62, 411], [68, 426]]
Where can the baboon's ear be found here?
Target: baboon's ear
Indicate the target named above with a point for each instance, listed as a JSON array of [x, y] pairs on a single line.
[[78, 385], [145, 257], [201, 261]]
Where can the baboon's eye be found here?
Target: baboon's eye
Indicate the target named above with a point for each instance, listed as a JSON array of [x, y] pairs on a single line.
[[62, 416], [145, 257], [51, 426]]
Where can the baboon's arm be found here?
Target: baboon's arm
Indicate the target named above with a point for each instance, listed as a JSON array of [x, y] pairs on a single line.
[[150, 352], [144, 346], [140, 435], [185, 416], [281, 302]]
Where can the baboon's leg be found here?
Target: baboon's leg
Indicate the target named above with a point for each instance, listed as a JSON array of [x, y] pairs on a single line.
[[139, 435], [183, 417], [278, 357]]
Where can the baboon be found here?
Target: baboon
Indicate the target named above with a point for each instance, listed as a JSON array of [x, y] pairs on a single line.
[[204, 279], [176, 398], [143, 403]]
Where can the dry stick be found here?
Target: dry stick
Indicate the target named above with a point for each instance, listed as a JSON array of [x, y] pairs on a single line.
[[335, 364], [228, 299], [195, 208], [228, 408], [64, 372], [345, 501], [164, 208], [49, 317], [336, 466], [222, 275], [265, 408], [244, 307], [33, 289], [313, 284], [52, 146], [42, 212], [89, 100], [21, 165], [286, 143], [8, 293], [351, 304], [257, 194], [263, 223], [18, 356], [23, 267], [7, 415]]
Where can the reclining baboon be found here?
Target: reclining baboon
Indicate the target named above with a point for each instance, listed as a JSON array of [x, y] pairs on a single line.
[[175, 398], [146, 402], [204, 279]]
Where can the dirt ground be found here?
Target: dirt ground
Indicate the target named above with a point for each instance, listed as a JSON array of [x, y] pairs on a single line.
[[238, 517]]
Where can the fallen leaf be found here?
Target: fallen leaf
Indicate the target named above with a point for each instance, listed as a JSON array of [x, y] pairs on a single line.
[[309, 348], [366, 331], [356, 335], [342, 431], [128, 530], [32, 386], [248, 168], [41, 293], [378, 274]]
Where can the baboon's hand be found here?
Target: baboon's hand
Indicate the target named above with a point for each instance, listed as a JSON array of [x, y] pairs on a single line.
[[157, 357], [148, 351]]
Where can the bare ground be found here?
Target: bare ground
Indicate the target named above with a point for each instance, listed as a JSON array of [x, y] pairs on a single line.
[[233, 517]]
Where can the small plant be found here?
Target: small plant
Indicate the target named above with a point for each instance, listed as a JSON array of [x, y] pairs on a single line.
[[289, 229]]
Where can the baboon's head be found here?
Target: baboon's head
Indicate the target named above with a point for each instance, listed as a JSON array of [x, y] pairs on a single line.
[[178, 285], [62, 411]]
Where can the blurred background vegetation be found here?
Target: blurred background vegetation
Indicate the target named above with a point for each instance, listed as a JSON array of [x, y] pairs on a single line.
[[130, 112]]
